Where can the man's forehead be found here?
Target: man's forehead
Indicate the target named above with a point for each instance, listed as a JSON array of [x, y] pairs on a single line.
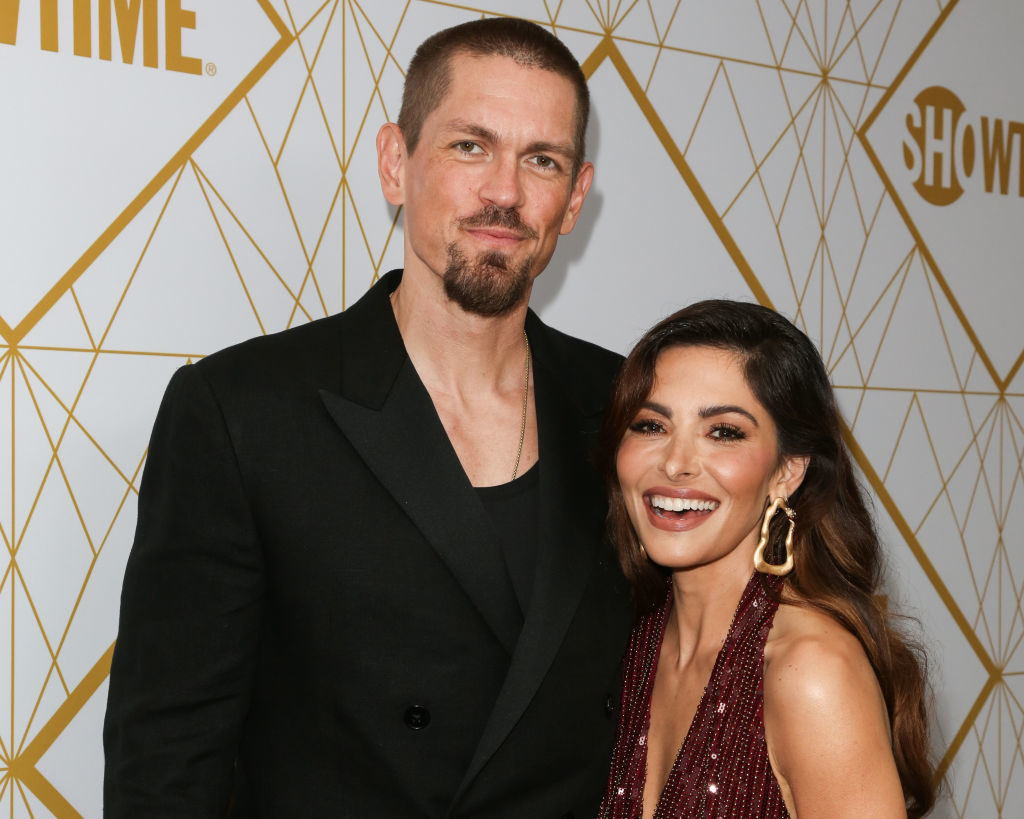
[[477, 78], [467, 66]]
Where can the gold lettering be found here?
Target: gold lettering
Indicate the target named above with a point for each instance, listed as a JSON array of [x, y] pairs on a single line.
[[150, 43], [104, 27], [83, 28], [995, 154], [938, 147], [177, 18], [1017, 130], [48, 25], [8, 21], [126, 14]]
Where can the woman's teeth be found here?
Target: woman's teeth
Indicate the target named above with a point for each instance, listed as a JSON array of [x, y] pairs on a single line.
[[682, 504]]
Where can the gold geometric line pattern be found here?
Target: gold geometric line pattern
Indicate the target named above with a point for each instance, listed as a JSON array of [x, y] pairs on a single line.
[[12, 335], [1002, 382], [878, 482], [24, 770], [854, 304], [607, 49]]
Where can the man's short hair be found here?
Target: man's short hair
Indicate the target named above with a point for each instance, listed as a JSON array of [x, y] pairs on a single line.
[[428, 79]]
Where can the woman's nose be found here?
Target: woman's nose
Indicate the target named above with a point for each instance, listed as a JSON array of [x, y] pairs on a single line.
[[681, 458]]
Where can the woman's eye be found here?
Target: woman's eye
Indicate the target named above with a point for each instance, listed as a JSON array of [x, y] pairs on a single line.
[[646, 427], [726, 432]]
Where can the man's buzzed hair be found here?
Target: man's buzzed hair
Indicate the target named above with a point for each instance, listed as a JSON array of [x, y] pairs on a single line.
[[428, 79]]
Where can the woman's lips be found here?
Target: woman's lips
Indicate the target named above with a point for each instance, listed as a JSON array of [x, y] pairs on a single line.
[[678, 511]]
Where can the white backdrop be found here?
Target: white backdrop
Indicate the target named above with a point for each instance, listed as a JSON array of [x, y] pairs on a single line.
[[204, 171]]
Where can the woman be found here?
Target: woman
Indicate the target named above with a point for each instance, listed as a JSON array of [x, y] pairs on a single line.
[[764, 677]]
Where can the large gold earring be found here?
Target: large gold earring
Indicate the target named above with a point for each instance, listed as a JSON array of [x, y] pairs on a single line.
[[643, 551], [759, 561]]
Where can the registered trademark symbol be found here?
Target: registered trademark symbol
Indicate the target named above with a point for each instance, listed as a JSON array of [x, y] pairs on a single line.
[[211, 69]]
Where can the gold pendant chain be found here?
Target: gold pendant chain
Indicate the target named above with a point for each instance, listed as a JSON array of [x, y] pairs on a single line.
[[526, 402]]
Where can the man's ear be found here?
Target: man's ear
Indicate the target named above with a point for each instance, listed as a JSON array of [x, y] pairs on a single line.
[[579, 192], [391, 162], [790, 475]]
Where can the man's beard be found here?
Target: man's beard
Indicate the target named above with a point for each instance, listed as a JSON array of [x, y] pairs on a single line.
[[488, 285]]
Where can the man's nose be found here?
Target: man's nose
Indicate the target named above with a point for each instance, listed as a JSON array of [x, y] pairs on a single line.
[[502, 184]]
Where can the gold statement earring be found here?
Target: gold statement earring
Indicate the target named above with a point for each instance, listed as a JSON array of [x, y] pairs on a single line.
[[643, 551], [759, 561]]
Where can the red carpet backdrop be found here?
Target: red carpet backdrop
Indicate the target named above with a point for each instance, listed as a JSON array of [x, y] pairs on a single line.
[[178, 175]]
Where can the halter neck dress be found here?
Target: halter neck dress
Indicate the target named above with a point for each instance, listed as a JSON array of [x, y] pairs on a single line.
[[722, 768]]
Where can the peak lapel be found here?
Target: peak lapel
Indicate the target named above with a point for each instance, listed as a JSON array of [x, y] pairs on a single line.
[[571, 528], [386, 414]]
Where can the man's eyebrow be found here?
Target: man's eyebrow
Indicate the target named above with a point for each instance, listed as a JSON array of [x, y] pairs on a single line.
[[566, 151], [472, 129], [725, 409]]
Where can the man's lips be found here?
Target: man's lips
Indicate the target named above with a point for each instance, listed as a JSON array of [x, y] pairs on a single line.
[[678, 510], [498, 224], [496, 234]]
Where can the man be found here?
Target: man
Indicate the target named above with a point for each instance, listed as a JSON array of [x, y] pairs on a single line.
[[369, 577]]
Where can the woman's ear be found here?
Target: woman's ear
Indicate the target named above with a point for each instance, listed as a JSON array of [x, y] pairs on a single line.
[[790, 475]]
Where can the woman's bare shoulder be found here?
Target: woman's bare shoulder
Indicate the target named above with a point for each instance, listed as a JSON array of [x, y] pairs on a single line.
[[825, 719], [809, 648]]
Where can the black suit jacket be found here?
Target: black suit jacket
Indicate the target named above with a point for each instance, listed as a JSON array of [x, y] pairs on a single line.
[[316, 607]]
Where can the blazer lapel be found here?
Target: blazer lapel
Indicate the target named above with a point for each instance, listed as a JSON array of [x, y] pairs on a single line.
[[569, 540], [386, 414]]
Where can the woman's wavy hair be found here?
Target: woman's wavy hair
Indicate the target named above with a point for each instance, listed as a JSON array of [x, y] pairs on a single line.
[[838, 560]]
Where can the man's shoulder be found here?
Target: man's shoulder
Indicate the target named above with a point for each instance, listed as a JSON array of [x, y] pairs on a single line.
[[310, 350], [583, 367], [282, 351], [570, 347]]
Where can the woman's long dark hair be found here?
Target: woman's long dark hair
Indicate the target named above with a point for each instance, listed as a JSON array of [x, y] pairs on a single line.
[[838, 562]]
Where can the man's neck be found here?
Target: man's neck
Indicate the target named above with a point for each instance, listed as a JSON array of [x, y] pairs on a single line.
[[476, 370], [452, 349]]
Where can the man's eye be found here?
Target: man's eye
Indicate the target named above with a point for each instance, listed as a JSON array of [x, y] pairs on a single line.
[[467, 146], [542, 161]]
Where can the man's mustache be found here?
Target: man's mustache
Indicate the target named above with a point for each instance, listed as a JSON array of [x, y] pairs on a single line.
[[493, 216]]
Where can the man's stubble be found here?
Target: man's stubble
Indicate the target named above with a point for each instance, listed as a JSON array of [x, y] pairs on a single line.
[[489, 285]]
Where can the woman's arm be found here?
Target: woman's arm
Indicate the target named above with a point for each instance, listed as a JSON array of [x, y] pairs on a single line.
[[825, 722]]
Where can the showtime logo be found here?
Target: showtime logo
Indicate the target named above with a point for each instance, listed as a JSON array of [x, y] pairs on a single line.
[[947, 140], [945, 145], [109, 18]]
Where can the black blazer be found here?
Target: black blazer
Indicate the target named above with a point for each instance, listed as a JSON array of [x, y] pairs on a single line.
[[316, 615]]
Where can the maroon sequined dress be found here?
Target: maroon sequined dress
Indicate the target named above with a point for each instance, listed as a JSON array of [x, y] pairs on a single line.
[[722, 768]]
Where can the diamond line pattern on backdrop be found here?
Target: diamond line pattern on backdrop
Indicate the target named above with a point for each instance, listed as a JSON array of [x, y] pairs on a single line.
[[825, 67], [14, 334]]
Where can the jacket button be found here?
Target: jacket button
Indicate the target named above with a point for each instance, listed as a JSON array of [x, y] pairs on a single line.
[[609, 706], [417, 717]]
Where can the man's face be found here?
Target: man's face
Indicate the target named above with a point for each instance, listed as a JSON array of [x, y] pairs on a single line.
[[489, 187]]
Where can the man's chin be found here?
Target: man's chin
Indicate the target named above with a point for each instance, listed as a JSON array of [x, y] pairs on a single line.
[[493, 285], [488, 302]]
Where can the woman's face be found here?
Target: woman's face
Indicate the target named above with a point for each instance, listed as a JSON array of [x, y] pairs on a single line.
[[699, 461]]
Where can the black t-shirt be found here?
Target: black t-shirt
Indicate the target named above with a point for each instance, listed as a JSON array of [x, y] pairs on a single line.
[[515, 507]]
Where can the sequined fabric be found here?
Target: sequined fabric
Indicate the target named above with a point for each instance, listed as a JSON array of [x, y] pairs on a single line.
[[722, 768]]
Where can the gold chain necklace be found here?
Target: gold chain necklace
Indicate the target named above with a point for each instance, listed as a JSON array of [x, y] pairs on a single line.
[[526, 401]]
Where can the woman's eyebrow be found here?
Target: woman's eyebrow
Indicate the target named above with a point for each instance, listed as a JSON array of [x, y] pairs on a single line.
[[654, 406], [725, 409]]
